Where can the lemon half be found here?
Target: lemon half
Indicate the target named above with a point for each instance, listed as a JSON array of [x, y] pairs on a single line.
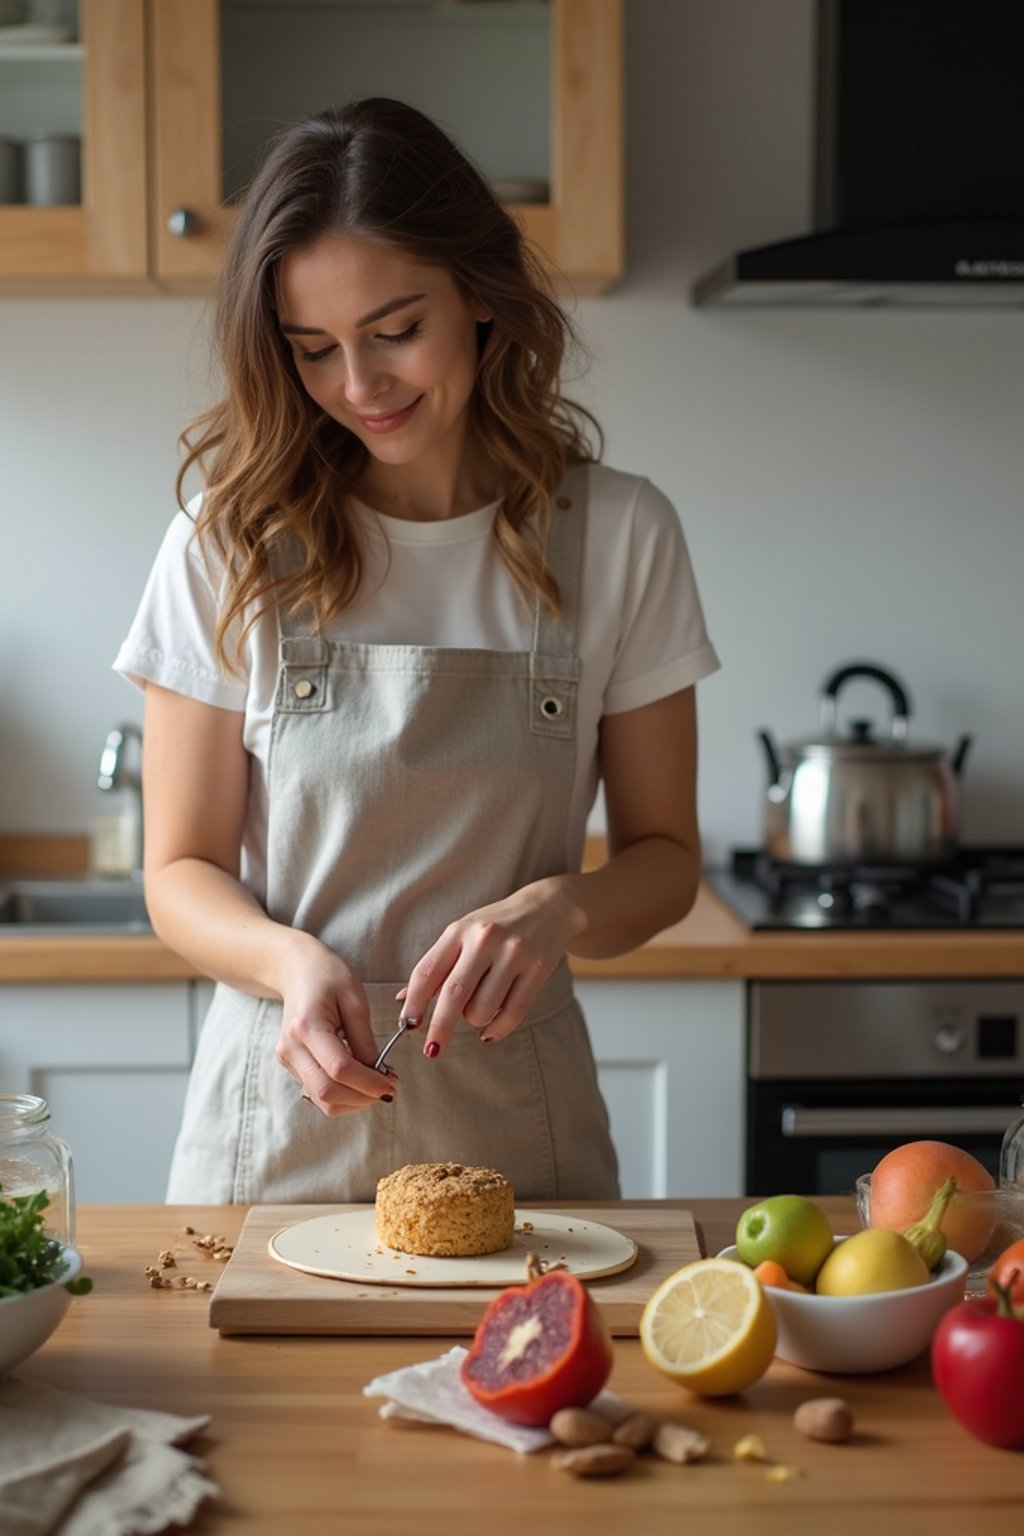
[[709, 1327]]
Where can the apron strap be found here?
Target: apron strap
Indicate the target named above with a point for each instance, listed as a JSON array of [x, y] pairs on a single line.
[[566, 541]]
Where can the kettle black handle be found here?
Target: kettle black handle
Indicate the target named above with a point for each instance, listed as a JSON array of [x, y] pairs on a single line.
[[897, 692]]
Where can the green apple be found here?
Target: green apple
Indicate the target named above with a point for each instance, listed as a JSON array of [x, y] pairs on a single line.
[[790, 1229]]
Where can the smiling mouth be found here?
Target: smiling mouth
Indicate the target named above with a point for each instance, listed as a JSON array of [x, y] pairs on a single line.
[[391, 420]]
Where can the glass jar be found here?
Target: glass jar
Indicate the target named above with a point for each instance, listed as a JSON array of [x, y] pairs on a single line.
[[32, 1158], [1011, 1159]]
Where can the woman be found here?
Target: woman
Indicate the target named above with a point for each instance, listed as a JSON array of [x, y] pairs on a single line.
[[386, 656]]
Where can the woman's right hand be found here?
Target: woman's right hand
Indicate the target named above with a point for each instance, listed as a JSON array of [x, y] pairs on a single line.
[[326, 1041], [195, 789]]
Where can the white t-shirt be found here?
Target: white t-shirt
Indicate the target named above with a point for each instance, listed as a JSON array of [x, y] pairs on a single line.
[[641, 633]]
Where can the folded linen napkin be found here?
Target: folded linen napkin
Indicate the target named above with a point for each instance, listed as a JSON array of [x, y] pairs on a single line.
[[433, 1392], [84, 1468]]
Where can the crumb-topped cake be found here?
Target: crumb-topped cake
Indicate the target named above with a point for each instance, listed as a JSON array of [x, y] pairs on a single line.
[[445, 1210]]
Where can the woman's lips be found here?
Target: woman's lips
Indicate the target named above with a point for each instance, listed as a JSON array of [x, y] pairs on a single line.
[[391, 421]]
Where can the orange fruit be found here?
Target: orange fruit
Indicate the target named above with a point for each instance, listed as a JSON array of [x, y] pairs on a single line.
[[904, 1184], [771, 1273], [1011, 1259]]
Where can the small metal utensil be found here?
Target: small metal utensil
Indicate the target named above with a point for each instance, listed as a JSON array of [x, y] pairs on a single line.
[[403, 1025]]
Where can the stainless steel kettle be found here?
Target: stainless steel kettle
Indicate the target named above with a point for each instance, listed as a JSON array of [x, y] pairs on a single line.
[[852, 798]]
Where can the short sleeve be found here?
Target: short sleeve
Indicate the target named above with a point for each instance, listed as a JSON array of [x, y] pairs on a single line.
[[171, 639], [663, 641]]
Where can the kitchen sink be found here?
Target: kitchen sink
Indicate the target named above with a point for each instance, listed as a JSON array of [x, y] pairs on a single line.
[[73, 906]]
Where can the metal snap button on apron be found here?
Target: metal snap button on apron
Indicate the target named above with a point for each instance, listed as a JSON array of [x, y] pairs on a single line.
[[304, 689], [551, 707]]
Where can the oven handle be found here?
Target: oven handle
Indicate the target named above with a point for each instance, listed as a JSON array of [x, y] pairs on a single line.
[[983, 1120]]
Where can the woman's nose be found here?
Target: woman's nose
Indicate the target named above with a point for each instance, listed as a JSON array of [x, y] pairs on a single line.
[[364, 382]]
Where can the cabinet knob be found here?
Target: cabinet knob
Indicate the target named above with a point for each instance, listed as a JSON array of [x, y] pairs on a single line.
[[182, 221]]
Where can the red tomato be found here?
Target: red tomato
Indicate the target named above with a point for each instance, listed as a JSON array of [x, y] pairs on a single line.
[[539, 1347], [1009, 1260], [978, 1366]]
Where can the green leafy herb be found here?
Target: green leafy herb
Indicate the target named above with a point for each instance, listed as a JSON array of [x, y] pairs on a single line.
[[29, 1258]]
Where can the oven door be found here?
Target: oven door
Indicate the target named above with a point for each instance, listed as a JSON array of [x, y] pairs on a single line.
[[839, 1073], [816, 1136]]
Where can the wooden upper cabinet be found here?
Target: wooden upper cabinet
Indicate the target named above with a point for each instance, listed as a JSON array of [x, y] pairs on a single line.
[[199, 49], [188, 219], [179, 98], [95, 88]]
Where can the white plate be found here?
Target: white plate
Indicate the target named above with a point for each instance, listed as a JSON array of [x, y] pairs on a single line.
[[345, 1246]]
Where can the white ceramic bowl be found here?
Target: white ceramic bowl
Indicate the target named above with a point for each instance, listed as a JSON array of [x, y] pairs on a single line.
[[1002, 1208], [853, 1335], [28, 1319]]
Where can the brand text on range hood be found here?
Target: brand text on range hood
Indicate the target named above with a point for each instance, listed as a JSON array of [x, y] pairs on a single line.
[[919, 189]]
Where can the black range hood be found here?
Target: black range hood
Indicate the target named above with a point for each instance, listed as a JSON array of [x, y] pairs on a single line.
[[919, 165]]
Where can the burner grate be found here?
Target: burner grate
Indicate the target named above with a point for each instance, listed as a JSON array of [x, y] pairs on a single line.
[[977, 886]]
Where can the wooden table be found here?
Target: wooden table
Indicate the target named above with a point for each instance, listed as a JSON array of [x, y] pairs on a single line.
[[296, 1448]]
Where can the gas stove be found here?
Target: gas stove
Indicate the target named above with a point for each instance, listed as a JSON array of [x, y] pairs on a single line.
[[977, 888]]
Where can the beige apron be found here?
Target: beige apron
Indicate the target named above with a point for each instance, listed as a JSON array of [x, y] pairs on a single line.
[[408, 786]]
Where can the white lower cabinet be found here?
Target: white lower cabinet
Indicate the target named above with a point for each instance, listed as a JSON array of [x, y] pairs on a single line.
[[112, 1061], [670, 1060]]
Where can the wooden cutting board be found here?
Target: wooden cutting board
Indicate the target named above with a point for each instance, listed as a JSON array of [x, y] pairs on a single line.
[[257, 1294]]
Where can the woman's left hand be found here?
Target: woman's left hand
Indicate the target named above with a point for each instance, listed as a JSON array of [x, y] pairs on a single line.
[[489, 966]]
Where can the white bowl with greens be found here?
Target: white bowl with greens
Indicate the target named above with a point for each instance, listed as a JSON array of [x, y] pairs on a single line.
[[38, 1277]]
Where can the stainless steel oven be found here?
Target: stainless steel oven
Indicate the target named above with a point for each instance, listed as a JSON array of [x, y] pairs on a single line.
[[839, 1073]]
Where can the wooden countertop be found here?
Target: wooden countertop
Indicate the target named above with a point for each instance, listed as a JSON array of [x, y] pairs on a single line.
[[295, 1446], [711, 943]]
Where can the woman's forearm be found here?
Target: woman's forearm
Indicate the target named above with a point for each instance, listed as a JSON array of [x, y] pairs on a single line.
[[641, 890], [209, 917]]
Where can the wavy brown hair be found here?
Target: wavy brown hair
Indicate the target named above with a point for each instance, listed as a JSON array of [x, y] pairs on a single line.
[[276, 468]]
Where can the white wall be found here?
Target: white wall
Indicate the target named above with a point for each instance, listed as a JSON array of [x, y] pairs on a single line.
[[849, 482]]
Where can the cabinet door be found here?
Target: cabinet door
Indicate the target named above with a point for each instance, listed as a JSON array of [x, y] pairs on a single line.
[[219, 78], [95, 89], [112, 1062], [670, 1063]]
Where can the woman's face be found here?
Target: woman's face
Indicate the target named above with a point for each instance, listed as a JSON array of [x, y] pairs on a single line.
[[386, 346]]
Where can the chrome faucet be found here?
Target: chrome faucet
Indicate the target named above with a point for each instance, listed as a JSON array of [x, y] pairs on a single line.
[[115, 775]]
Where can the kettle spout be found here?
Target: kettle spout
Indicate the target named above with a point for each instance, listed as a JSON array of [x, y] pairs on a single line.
[[771, 757], [960, 752]]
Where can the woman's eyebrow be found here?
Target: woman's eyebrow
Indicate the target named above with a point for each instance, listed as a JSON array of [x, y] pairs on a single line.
[[375, 314]]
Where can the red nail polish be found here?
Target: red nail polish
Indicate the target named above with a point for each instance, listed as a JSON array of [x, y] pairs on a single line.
[[431, 1048], [387, 1098]]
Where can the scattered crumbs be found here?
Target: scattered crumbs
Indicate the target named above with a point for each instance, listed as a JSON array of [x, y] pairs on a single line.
[[410, 1271], [750, 1448], [570, 1229], [527, 1226], [781, 1474]]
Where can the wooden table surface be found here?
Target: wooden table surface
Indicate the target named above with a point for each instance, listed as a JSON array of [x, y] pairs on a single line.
[[296, 1448]]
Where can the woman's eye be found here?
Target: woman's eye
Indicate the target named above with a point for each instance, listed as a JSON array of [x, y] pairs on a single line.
[[396, 339], [315, 357]]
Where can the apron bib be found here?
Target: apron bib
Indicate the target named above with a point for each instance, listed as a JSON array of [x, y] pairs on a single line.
[[409, 785]]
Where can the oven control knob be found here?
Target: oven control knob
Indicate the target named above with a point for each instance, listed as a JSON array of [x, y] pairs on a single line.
[[949, 1038]]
